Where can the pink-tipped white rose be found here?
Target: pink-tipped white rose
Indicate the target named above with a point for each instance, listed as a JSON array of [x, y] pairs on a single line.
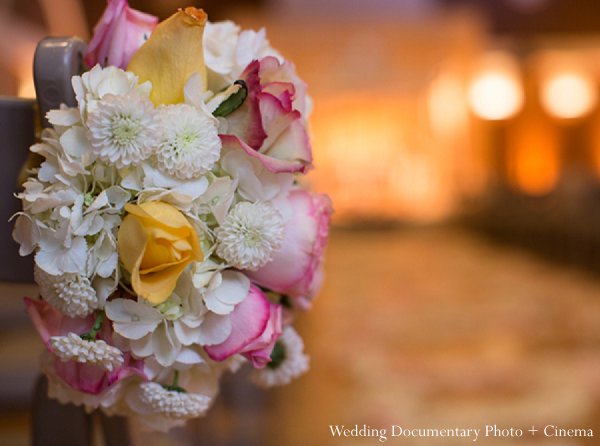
[[270, 124], [256, 326], [296, 268], [118, 35]]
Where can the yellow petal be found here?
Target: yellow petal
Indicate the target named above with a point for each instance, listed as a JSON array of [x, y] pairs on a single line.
[[131, 242], [171, 55], [157, 253], [156, 287], [162, 213]]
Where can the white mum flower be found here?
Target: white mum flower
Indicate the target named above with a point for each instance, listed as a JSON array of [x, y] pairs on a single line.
[[172, 403], [289, 361], [73, 348], [189, 145], [123, 129], [250, 234], [71, 294]]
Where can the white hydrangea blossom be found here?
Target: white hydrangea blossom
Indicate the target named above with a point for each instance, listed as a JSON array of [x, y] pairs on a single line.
[[172, 403], [167, 330], [71, 294], [250, 234], [123, 129], [189, 144], [73, 348], [293, 364]]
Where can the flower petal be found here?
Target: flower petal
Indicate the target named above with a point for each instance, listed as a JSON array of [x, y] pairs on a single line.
[[177, 44], [131, 319], [248, 321]]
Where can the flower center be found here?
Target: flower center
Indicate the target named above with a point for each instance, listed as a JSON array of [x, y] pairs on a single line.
[[185, 142], [125, 129], [253, 237]]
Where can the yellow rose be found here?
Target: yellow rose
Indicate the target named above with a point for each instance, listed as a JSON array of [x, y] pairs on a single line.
[[156, 243]]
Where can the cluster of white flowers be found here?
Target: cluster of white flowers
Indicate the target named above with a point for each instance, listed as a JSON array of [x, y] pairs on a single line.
[[222, 216], [173, 403], [73, 347]]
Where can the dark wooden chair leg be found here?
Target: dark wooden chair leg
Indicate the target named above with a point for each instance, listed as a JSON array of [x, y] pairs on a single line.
[[56, 424], [115, 430]]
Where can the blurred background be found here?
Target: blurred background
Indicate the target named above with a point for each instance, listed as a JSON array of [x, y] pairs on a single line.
[[460, 143]]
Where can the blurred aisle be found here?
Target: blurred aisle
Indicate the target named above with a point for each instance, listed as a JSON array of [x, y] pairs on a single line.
[[437, 328], [421, 328]]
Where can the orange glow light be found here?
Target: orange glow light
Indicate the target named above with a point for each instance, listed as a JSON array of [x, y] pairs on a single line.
[[373, 163], [533, 158]]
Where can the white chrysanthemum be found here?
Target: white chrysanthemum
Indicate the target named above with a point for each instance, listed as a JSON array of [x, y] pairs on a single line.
[[189, 145], [250, 234], [123, 129], [171, 403], [73, 348], [71, 294], [291, 363]]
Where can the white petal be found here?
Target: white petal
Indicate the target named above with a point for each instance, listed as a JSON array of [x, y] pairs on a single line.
[[214, 329], [117, 196], [75, 142], [186, 335], [165, 345], [193, 91], [232, 290], [144, 346], [66, 117], [189, 356], [26, 233], [104, 288], [66, 260], [132, 319]]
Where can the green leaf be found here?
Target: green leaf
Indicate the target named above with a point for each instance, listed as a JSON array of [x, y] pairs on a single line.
[[278, 355], [234, 101]]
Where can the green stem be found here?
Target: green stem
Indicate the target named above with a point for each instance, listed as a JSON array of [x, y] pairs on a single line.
[[91, 335], [174, 387]]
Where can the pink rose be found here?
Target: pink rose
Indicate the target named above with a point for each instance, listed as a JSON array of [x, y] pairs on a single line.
[[118, 35], [296, 268], [270, 124], [88, 378], [256, 326]]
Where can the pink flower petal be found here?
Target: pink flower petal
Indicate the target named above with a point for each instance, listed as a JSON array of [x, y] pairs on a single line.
[[249, 320], [245, 122], [118, 35], [296, 267], [259, 351], [266, 126], [50, 322], [272, 164]]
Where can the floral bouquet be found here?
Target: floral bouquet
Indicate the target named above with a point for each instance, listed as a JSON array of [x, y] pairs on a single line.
[[172, 242]]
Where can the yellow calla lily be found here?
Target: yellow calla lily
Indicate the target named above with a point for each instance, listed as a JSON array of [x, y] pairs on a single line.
[[171, 55]]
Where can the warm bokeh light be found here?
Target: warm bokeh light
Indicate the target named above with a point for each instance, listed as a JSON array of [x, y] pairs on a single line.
[[496, 92], [568, 94], [533, 157], [26, 86], [446, 105], [373, 163]]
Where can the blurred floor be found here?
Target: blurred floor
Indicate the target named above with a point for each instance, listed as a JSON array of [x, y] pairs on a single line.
[[420, 328]]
